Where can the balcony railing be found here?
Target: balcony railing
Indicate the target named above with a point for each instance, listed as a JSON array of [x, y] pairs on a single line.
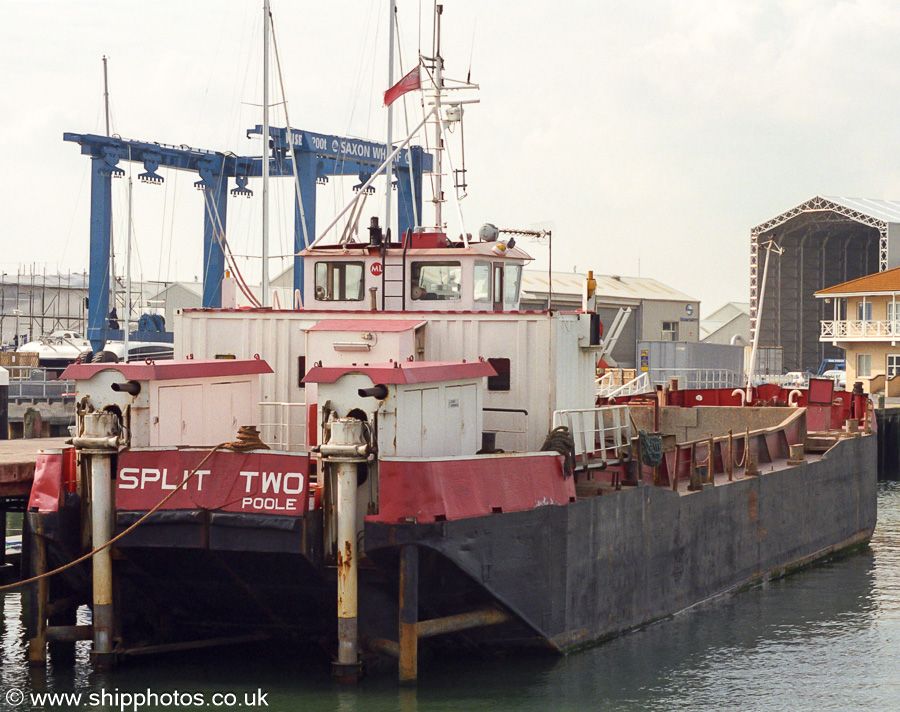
[[886, 329]]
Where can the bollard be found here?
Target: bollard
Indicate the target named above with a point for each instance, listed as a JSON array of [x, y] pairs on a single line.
[[32, 424], [345, 450], [100, 441]]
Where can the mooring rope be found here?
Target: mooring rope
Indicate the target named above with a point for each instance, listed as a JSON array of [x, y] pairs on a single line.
[[237, 446], [247, 439], [743, 456], [560, 440]]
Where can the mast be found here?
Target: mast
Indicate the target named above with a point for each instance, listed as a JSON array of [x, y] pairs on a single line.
[[438, 139], [265, 159], [770, 246], [112, 251], [106, 95], [389, 171], [127, 273]]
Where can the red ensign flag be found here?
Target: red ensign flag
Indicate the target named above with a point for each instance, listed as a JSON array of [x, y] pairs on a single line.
[[411, 81]]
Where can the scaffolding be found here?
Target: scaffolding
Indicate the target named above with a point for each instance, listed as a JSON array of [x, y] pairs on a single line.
[[34, 302]]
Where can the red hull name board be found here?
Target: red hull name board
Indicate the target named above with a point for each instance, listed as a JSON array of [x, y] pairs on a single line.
[[248, 482]]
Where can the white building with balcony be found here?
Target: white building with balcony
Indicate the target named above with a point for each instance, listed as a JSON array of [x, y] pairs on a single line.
[[866, 324]]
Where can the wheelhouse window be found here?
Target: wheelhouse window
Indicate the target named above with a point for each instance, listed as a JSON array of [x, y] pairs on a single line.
[[512, 280], [481, 282], [339, 281], [435, 280]]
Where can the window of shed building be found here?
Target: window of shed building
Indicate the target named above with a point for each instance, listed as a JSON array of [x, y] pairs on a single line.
[[669, 331], [864, 365], [500, 382], [339, 281], [435, 280], [481, 282], [893, 365]]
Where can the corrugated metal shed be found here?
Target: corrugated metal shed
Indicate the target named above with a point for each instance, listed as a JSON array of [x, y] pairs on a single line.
[[608, 286], [887, 211], [826, 241], [865, 210]]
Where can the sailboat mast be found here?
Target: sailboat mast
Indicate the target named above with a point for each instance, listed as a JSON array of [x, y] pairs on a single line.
[[265, 159], [389, 171], [127, 273], [106, 95], [438, 140], [112, 251]]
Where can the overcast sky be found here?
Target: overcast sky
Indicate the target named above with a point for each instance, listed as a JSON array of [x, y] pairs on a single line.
[[650, 136]]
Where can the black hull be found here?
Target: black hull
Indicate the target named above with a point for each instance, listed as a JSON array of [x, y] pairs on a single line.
[[579, 573], [570, 575]]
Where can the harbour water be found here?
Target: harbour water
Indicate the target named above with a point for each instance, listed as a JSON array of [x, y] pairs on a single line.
[[827, 638]]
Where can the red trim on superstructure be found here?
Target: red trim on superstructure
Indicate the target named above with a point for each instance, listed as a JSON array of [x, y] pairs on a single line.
[[435, 490], [404, 371], [330, 313], [382, 325], [170, 370]]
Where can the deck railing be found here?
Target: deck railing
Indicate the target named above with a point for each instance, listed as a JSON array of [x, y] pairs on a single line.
[[785, 381], [638, 384], [283, 425], [29, 383], [602, 436], [697, 378]]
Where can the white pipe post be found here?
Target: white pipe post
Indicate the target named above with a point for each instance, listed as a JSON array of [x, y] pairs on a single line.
[[128, 271], [101, 530], [345, 450], [346, 563], [100, 441]]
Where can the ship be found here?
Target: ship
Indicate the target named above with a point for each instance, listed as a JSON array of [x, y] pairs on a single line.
[[411, 463], [437, 475]]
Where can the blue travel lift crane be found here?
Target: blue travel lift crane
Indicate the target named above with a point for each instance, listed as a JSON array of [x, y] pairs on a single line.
[[316, 157]]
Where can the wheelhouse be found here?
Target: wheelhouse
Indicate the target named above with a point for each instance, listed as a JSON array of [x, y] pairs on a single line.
[[425, 272]]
